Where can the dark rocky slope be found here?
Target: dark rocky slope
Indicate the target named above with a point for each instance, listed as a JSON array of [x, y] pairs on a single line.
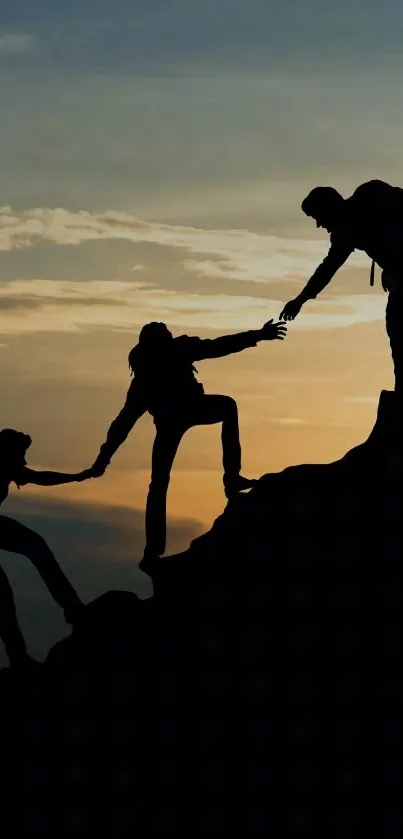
[[262, 683]]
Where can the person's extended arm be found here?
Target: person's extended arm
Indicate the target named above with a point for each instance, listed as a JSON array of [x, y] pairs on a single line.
[[119, 429], [338, 253], [201, 348], [47, 479], [341, 248]]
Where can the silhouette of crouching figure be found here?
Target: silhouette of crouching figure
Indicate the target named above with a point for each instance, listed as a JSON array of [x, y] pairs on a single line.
[[17, 538]]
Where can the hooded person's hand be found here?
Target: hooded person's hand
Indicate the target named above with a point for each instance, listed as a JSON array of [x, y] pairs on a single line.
[[272, 331], [96, 470]]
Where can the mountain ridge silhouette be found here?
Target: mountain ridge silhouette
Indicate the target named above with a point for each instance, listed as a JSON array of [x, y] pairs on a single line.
[[261, 681]]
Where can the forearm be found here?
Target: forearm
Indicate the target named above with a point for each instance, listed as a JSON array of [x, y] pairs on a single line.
[[319, 280], [339, 252], [49, 479], [229, 344], [117, 434]]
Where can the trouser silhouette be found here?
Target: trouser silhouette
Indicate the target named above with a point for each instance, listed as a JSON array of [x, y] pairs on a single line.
[[170, 429], [17, 538], [394, 328]]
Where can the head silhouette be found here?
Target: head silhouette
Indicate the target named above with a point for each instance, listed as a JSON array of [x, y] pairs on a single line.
[[325, 205], [154, 339], [155, 334], [13, 446]]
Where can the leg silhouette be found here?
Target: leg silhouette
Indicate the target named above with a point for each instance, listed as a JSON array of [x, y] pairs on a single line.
[[10, 632], [167, 439], [17, 538], [209, 410], [213, 409]]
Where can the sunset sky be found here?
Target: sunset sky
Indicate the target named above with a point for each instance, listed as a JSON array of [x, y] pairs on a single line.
[[154, 155]]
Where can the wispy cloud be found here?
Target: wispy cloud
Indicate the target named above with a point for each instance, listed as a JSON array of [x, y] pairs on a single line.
[[15, 42], [40, 305], [233, 254], [49, 305], [289, 421], [362, 400]]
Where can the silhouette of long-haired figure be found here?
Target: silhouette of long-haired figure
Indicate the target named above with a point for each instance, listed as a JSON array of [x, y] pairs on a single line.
[[17, 538], [370, 220], [165, 385]]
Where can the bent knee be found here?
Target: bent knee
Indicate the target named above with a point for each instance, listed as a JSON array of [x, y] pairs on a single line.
[[229, 405]]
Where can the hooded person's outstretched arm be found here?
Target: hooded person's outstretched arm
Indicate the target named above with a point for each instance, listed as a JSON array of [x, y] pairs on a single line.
[[133, 409], [340, 249], [202, 348]]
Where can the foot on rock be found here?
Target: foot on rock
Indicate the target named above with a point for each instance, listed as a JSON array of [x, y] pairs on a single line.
[[236, 484]]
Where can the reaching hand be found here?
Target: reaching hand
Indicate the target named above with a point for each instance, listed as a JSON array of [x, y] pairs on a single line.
[[291, 309], [270, 331], [96, 470]]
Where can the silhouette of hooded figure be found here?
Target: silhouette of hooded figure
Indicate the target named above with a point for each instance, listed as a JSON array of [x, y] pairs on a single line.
[[17, 538], [370, 220], [165, 385]]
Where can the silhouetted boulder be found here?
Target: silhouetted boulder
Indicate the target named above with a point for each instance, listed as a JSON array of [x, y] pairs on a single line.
[[262, 680]]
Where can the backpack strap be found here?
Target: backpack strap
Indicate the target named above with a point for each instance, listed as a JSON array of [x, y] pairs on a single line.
[[372, 274]]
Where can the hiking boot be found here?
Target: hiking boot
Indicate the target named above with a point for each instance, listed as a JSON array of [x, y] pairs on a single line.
[[236, 483], [150, 562]]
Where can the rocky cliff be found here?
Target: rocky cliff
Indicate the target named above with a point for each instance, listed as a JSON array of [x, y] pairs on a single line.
[[262, 682]]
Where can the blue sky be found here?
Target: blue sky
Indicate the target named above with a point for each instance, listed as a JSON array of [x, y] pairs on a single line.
[[265, 33], [205, 111], [154, 158]]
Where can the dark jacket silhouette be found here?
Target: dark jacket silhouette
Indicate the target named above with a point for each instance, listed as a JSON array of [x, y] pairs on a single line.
[[165, 385], [17, 538], [370, 220]]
